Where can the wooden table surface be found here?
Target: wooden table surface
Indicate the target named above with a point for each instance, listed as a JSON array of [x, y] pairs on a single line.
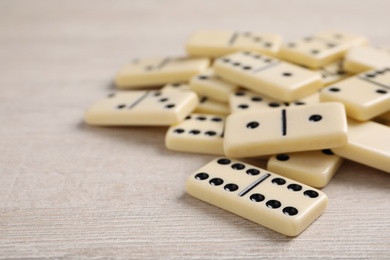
[[75, 191]]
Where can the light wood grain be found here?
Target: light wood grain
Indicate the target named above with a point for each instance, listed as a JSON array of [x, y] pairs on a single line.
[[74, 191]]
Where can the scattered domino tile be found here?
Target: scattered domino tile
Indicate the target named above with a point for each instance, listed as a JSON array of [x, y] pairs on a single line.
[[269, 76], [368, 143], [363, 58], [320, 49], [364, 96], [142, 108], [291, 129], [313, 168], [210, 106], [154, 72], [244, 100], [276, 202], [333, 72], [208, 43], [208, 84], [198, 133]]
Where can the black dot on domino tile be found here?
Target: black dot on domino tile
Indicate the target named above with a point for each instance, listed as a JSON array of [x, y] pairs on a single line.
[[278, 181], [201, 176], [267, 60], [225, 60], [315, 118], [257, 197], [111, 95], [341, 72], [311, 194], [194, 132], [274, 104], [299, 103], [256, 99], [231, 187], [210, 133], [330, 45], [291, 45], [314, 51], [294, 187], [216, 119], [163, 99], [282, 157], [158, 93], [247, 67], [273, 204], [381, 91], [240, 93], [236, 64], [252, 125], [371, 75], [121, 106], [238, 166], [178, 130], [170, 106], [253, 172], [187, 118], [327, 152], [149, 68], [243, 106], [246, 53], [223, 161], [257, 56], [257, 39], [334, 89], [176, 85], [290, 211], [216, 181], [287, 74], [203, 77], [201, 118], [268, 44]]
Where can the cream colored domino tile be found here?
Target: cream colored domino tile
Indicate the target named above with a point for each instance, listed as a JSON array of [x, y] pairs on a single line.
[[333, 72], [214, 43], [365, 96], [268, 199], [368, 143], [363, 58], [269, 76], [321, 48], [159, 71], [313, 168], [210, 106], [291, 129], [208, 84], [245, 100], [198, 133], [142, 108]]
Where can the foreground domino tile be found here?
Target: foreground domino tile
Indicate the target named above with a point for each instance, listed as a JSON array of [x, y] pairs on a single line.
[[276, 202], [198, 133], [368, 143], [142, 108], [214, 43], [365, 96], [313, 168], [363, 58], [333, 72], [269, 76], [245, 100], [210, 106], [208, 84], [291, 129], [321, 48], [159, 71]]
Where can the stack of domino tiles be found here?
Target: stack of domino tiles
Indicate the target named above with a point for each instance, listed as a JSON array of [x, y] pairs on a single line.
[[303, 105]]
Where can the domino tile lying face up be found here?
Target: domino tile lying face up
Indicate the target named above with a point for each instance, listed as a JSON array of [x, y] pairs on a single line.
[[320, 49], [142, 108], [159, 71], [363, 58], [291, 129], [198, 133], [269, 76], [276, 202], [313, 168], [368, 144], [365, 96], [209, 43], [208, 84]]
